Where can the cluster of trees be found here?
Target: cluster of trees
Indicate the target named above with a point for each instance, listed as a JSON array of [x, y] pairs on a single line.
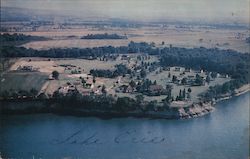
[[103, 102], [151, 66], [89, 53], [142, 58], [121, 69], [217, 91], [102, 73], [15, 38], [104, 36], [108, 57], [55, 74], [108, 103], [142, 47], [183, 94], [198, 80], [9, 94], [143, 86], [214, 60]]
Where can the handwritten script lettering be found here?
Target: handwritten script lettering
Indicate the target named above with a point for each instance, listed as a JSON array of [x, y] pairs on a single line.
[[80, 137]]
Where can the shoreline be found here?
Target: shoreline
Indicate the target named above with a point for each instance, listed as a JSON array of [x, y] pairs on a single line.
[[242, 90], [43, 106]]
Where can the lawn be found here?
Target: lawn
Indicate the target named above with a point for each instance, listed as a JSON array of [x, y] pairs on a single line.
[[162, 79], [22, 81]]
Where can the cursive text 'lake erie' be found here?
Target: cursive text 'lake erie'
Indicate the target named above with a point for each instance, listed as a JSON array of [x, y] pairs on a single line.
[[223, 134]]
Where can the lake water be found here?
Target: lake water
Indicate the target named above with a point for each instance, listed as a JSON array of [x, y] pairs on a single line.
[[223, 134]]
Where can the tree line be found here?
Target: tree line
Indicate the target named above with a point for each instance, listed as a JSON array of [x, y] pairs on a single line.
[[103, 36], [13, 39], [105, 103], [121, 70]]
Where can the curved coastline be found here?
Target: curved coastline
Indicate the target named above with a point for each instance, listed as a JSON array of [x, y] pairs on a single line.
[[32, 106]]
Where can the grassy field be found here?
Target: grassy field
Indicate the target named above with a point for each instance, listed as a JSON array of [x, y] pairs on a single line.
[[17, 80], [43, 64], [22, 81], [162, 79], [181, 37]]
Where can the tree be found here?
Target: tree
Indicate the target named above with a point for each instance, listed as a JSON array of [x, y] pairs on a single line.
[[177, 98], [169, 75], [83, 82], [94, 80], [208, 79], [55, 74], [198, 80], [124, 104], [104, 91], [184, 93], [143, 73], [180, 94], [155, 83], [152, 44], [151, 105], [184, 81], [213, 74], [174, 78], [139, 98], [132, 83], [169, 92], [225, 88]]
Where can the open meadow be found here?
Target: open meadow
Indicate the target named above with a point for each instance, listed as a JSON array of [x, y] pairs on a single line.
[[23, 81], [181, 37]]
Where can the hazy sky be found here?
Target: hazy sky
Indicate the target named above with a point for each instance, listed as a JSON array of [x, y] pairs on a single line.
[[201, 10]]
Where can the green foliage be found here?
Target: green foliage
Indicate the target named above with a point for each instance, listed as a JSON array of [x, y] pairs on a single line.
[[174, 78], [19, 37], [120, 70], [104, 91], [8, 94], [230, 62], [143, 73], [208, 79], [103, 36], [132, 83], [125, 104], [182, 95], [219, 90], [198, 80], [213, 74], [139, 98], [55, 74], [184, 81]]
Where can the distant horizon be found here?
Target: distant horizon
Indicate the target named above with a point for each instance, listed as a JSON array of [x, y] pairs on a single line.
[[201, 11]]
